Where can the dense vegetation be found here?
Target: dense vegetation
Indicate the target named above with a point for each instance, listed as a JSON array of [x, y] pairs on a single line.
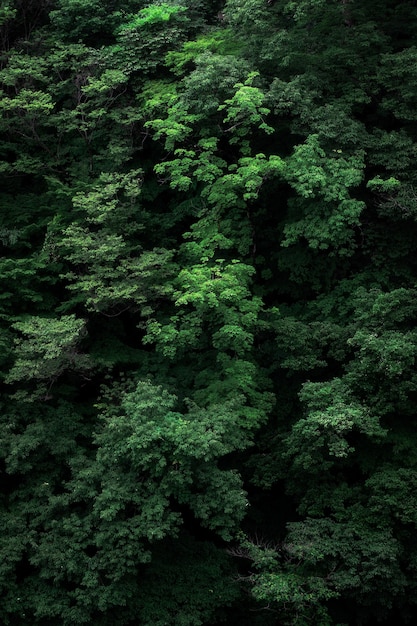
[[208, 227]]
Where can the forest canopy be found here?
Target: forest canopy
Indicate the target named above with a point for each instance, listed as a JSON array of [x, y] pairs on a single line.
[[208, 341]]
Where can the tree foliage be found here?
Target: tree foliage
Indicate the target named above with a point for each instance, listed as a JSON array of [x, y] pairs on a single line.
[[207, 315]]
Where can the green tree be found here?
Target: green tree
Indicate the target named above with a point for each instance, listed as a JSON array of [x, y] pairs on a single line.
[[207, 319]]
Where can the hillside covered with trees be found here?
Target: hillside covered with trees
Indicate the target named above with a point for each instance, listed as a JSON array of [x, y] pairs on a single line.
[[208, 341]]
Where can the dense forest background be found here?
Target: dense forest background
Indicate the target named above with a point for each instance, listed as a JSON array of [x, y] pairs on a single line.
[[208, 309]]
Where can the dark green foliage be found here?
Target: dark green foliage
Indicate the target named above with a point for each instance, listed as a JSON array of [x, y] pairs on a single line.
[[207, 315]]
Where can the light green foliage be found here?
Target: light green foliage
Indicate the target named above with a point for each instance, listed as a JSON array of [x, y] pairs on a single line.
[[110, 270], [220, 42], [323, 182], [210, 83], [245, 110], [314, 173], [224, 190], [216, 79], [214, 295], [176, 127], [31, 102], [388, 185], [153, 14], [191, 165], [148, 35], [47, 348], [244, 181], [108, 81]]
